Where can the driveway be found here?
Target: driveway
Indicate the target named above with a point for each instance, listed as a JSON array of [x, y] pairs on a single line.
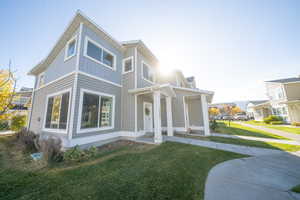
[[268, 177]]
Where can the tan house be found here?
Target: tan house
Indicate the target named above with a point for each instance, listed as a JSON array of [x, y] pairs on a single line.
[[284, 100]]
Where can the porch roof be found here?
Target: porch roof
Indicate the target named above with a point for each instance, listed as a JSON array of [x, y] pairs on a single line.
[[261, 105], [166, 89], [297, 101]]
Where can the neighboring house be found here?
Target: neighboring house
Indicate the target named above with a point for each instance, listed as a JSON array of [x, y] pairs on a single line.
[[284, 100], [21, 101], [256, 110], [92, 88]]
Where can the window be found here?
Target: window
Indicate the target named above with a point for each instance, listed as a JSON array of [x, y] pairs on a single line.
[[147, 72], [128, 65], [97, 53], [41, 80], [70, 48], [97, 111], [57, 111]]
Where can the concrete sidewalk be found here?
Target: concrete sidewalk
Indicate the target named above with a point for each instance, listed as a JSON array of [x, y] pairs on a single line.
[[261, 178], [252, 151], [292, 136], [256, 138]]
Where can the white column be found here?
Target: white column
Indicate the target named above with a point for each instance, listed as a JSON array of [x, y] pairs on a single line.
[[169, 116], [157, 117], [205, 114]]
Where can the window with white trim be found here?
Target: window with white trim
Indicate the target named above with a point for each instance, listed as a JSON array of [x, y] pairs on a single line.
[[70, 48], [148, 72], [97, 53], [57, 111], [128, 65], [97, 111], [41, 80]]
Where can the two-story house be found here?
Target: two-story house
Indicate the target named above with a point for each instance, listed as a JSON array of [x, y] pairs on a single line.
[[92, 88], [284, 100]]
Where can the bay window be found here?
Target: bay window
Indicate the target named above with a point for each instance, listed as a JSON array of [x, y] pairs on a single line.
[[57, 111], [96, 111]]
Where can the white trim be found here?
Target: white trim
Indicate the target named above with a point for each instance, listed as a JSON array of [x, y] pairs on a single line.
[[194, 90], [98, 78], [135, 67], [74, 38], [100, 94], [123, 64], [135, 86], [39, 80], [79, 46], [157, 117], [53, 130], [185, 114], [135, 113], [169, 116], [144, 105], [32, 101], [87, 39], [150, 68], [205, 114], [200, 128], [58, 79]]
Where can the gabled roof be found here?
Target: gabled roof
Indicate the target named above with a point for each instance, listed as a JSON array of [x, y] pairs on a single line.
[[71, 28], [286, 80]]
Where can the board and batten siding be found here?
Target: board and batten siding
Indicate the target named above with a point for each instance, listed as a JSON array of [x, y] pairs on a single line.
[[40, 99], [140, 81], [96, 69], [195, 112], [128, 104], [85, 82]]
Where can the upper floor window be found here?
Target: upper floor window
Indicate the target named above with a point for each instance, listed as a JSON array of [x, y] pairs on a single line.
[[70, 48], [97, 53], [41, 80], [128, 65], [147, 72], [57, 111]]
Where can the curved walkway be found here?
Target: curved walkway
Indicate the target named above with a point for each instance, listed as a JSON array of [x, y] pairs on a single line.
[[292, 136], [261, 178]]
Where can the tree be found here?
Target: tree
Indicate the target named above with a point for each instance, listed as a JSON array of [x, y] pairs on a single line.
[[214, 111], [7, 91]]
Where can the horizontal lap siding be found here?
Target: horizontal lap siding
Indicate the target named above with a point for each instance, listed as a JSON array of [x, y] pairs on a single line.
[[39, 103], [85, 82]]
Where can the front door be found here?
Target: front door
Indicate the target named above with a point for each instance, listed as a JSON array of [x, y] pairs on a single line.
[[148, 117]]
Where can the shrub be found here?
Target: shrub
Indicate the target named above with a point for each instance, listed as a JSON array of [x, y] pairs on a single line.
[[78, 155], [295, 123], [29, 139], [18, 122], [276, 122], [272, 118], [52, 149], [4, 125], [213, 125]]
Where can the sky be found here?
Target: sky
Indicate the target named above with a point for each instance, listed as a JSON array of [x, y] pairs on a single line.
[[230, 46]]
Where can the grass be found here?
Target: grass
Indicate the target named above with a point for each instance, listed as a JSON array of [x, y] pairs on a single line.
[[130, 171], [251, 143], [237, 129], [277, 127], [296, 189]]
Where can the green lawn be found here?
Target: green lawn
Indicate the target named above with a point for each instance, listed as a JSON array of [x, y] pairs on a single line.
[[124, 170], [296, 189], [237, 129], [252, 143], [295, 130]]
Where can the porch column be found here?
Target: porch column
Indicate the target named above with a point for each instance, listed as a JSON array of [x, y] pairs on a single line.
[[157, 117], [169, 116], [205, 114]]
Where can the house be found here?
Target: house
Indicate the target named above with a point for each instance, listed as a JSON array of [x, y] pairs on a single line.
[[21, 101], [92, 88], [254, 112], [284, 100]]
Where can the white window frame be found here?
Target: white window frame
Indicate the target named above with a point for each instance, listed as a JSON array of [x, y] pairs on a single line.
[[74, 38], [39, 79], [87, 130], [149, 68], [57, 130], [87, 39], [123, 64]]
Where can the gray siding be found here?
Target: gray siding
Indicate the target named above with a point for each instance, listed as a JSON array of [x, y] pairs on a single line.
[[140, 81], [128, 102], [140, 109], [39, 104], [85, 82], [89, 66], [195, 112], [59, 67]]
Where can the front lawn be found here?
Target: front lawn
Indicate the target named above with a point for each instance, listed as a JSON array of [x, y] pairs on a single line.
[[123, 170], [237, 129], [288, 129], [251, 143]]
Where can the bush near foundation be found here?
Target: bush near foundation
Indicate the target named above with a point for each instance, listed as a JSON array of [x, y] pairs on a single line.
[[295, 123], [273, 118]]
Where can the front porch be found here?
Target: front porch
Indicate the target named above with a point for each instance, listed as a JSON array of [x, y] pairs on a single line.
[[162, 109]]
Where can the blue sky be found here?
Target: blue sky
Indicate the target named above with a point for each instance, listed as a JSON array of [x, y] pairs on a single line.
[[230, 46]]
